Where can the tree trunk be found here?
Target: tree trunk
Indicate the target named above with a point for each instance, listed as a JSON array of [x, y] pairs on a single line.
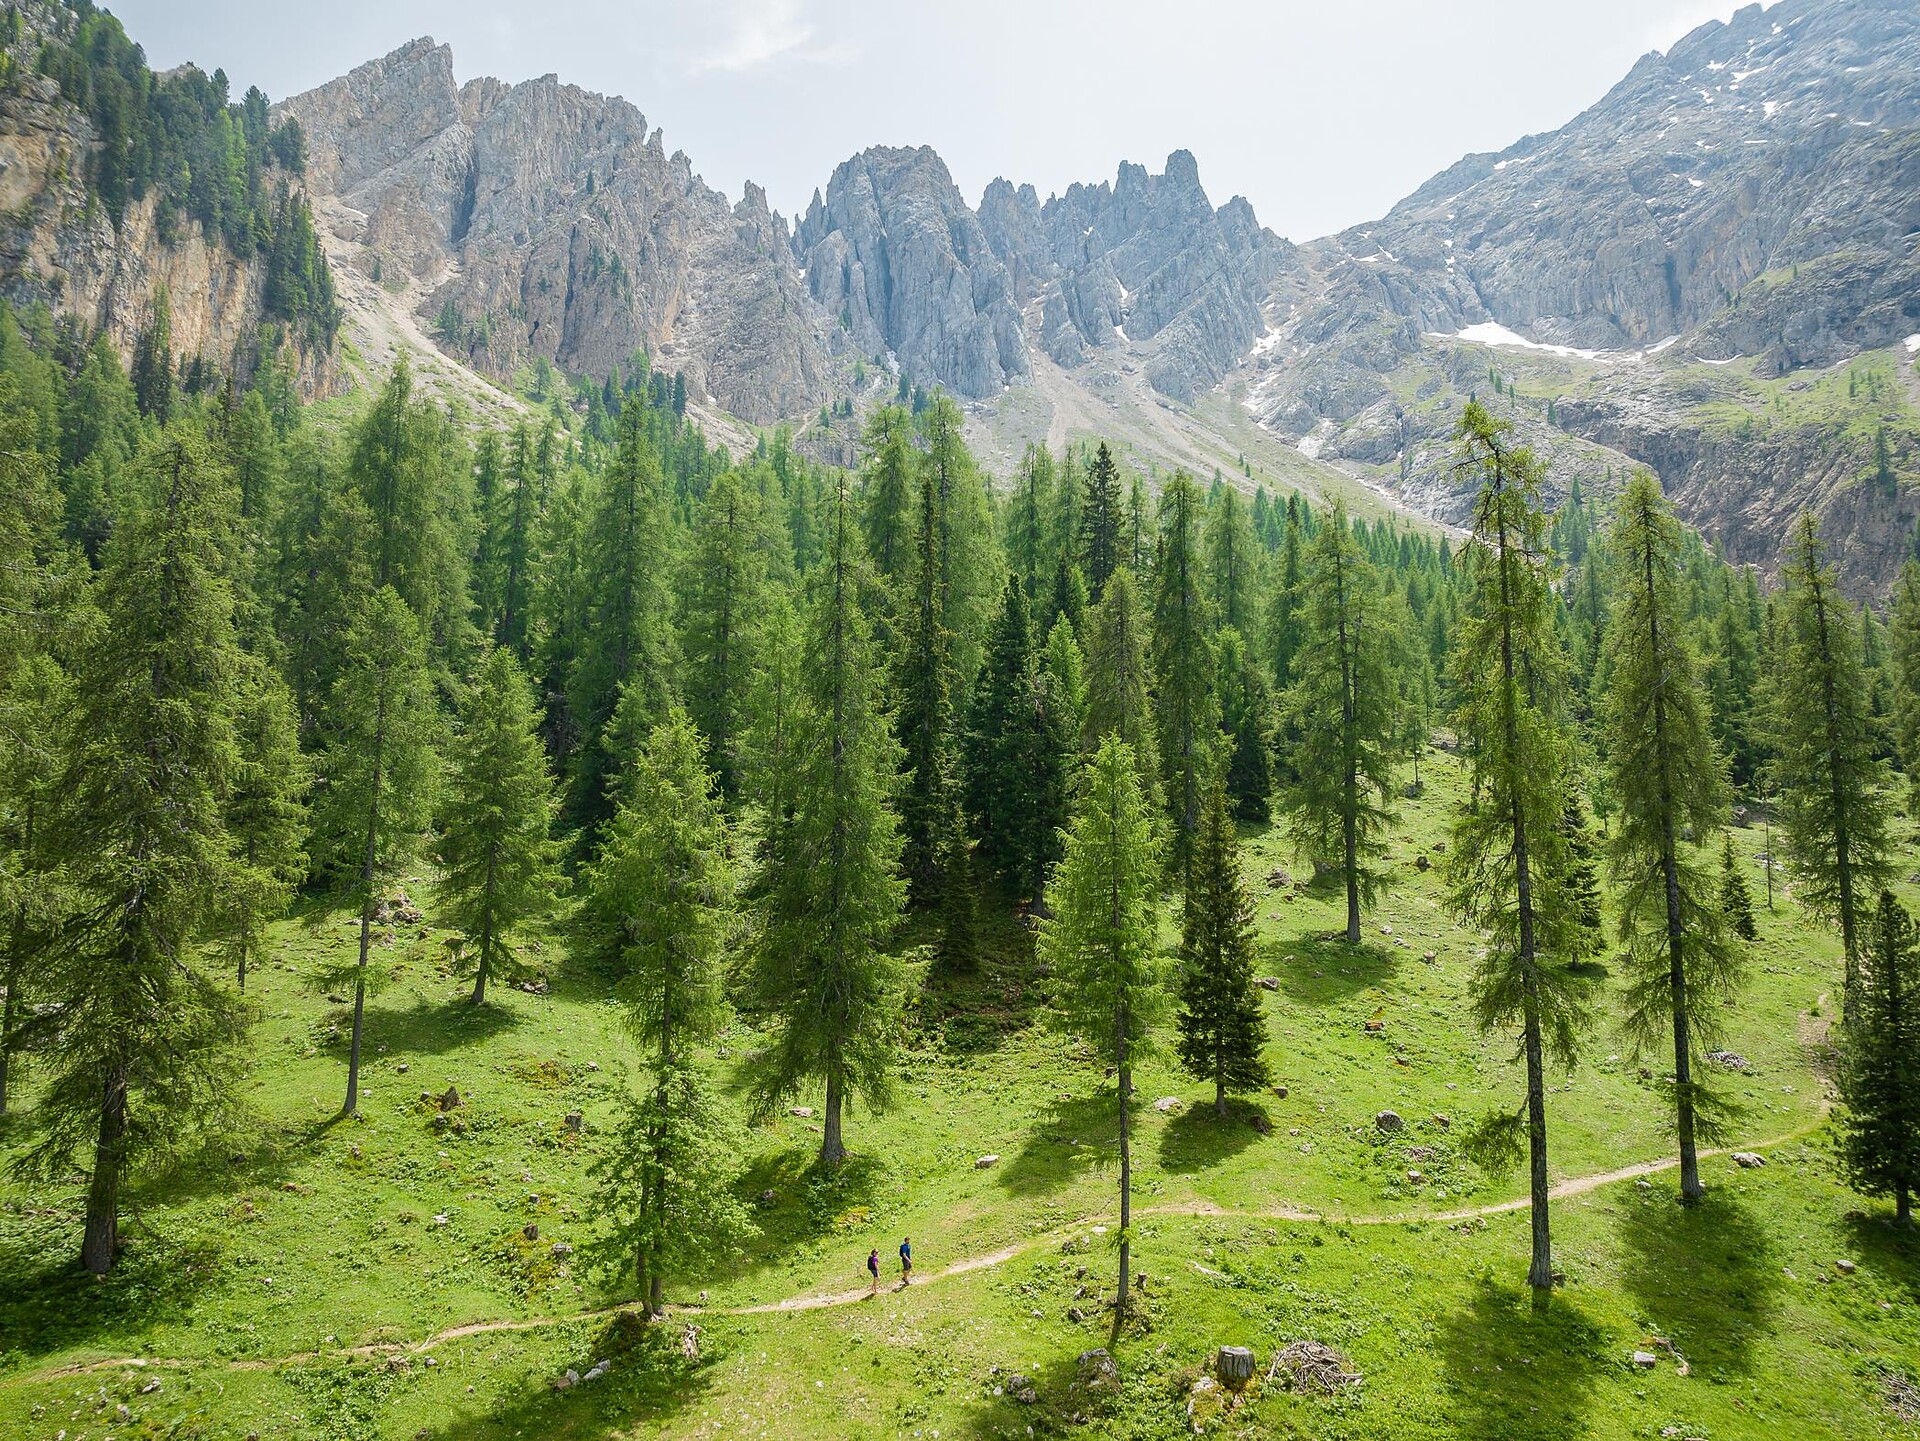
[[1903, 1206], [1352, 844], [832, 1150], [486, 936], [9, 1008], [1220, 1080], [1124, 1072], [351, 1107], [101, 1241], [1540, 1270], [656, 1303]]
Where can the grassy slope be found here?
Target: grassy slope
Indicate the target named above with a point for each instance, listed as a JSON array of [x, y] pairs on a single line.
[[251, 1278]]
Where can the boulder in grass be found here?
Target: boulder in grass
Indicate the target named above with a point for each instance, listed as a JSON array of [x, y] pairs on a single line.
[[450, 1098], [983, 1163], [1167, 1104], [1645, 1360], [1390, 1121], [1749, 1160], [1096, 1370]]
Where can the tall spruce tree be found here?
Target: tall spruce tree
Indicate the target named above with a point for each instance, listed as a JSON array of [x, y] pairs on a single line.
[[725, 594], [1102, 942], [1016, 756], [1736, 900], [832, 897], [1187, 711], [1669, 782], [1508, 864], [144, 1053], [656, 917], [1030, 551], [1221, 1027], [36, 724], [628, 638], [1282, 623], [1099, 538], [1834, 803], [925, 684], [1904, 633], [266, 811], [378, 775], [496, 836], [1246, 721], [1232, 557], [1343, 713], [888, 486], [1880, 1065], [1119, 683]]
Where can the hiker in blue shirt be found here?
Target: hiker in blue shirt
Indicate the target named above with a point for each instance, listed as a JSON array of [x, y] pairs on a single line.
[[906, 1260]]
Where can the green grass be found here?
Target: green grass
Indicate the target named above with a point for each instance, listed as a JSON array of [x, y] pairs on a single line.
[[294, 1282]]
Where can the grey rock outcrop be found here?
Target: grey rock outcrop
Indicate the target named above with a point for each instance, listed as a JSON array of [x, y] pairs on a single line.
[[894, 252], [556, 224], [1145, 265]]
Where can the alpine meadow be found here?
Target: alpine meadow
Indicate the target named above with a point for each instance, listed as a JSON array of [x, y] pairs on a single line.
[[625, 815]]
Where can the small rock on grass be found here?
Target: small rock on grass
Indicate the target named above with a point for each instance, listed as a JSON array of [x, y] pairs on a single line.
[[1748, 1160], [1845, 1268], [984, 1162], [1389, 1121]]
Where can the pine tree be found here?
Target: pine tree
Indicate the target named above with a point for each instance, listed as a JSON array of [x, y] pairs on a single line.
[[832, 896], [1119, 683], [36, 721], [266, 812], [1736, 901], [496, 845], [152, 371], [924, 720], [1669, 781], [1343, 710], [1282, 618], [1102, 941], [1016, 754], [1880, 1065], [377, 788], [1246, 721], [1832, 786], [656, 917], [1029, 548], [1187, 712], [1065, 670], [1508, 863], [1904, 625], [143, 1055], [1221, 1026], [521, 506], [1099, 539]]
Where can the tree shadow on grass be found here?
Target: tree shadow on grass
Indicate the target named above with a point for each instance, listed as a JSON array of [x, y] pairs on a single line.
[[1323, 972], [807, 1204], [427, 1028], [1702, 1276], [48, 1304], [1885, 1248], [1199, 1137], [650, 1381], [1067, 1138], [1518, 1374]]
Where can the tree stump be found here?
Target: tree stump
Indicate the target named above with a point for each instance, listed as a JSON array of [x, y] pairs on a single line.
[[1234, 1366]]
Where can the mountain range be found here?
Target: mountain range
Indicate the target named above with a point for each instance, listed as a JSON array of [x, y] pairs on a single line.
[[1713, 271]]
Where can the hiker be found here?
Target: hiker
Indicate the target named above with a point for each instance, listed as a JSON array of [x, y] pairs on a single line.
[[873, 1270], [906, 1260]]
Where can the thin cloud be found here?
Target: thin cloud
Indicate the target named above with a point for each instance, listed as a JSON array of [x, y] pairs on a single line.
[[760, 32]]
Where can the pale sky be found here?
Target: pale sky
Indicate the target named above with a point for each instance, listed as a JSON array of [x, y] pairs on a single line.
[[1321, 112]]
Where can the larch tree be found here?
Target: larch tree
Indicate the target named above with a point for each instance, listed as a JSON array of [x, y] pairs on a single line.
[[36, 722], [1880, 1065], [832, 895], [1832, 785], [145, 1052], [378, 775], [1281, 623], [656, 917], [1102, 942], [1120, 683], [888, 484], [1343, 712], [496, 835], [1187, 711], [1029, 522], [1064, 665], [266, 810], [1669, 783], [1508, 861], [1232, 561], [1221, 1029]]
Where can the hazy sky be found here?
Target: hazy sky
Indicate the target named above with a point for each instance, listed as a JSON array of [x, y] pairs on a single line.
[[1321, 112]]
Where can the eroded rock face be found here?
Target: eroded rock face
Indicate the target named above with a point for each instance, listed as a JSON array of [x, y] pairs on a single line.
[[58, 249], [896, 255], [1145, 265], [556, 224]]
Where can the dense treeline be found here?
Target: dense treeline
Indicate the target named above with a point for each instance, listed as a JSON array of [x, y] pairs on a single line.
[[199, 155], [769, 723]]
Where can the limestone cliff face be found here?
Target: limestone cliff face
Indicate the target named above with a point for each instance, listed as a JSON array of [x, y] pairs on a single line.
[[895, 253], [556, 224], [1145, 266], [58, 247]]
